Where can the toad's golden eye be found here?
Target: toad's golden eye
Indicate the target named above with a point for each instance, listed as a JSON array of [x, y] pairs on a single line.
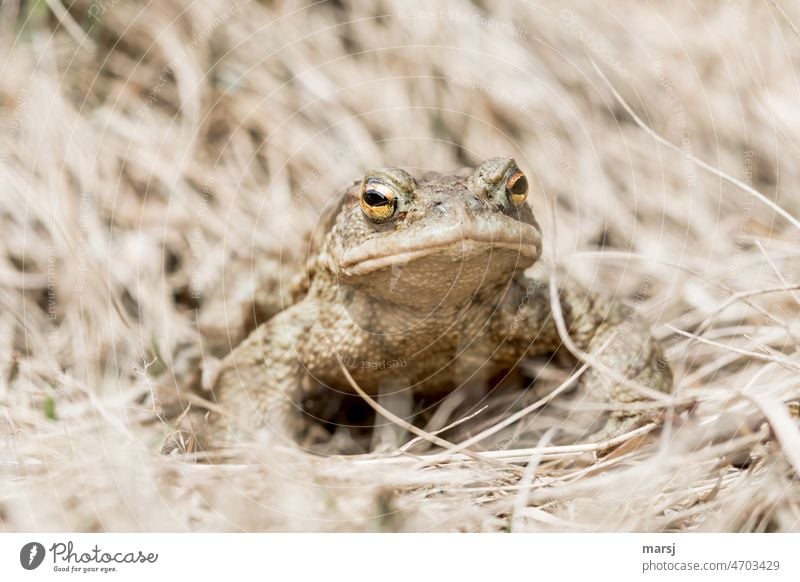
[[517, 187], [378, 201]]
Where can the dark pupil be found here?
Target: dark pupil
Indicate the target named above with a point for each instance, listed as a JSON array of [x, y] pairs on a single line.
[[519, 186], [375, 198]]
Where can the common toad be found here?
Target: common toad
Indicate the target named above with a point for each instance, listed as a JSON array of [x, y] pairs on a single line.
[[418, 285]]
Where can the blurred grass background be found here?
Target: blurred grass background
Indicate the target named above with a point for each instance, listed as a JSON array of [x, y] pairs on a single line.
[[147, 149]]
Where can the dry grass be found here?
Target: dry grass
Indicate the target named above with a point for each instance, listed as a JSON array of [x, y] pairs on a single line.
[[144, 147]]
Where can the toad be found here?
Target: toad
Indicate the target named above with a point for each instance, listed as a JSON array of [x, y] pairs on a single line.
[[418, 284]]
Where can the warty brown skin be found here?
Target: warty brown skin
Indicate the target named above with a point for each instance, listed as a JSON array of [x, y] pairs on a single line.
[[440, 287]]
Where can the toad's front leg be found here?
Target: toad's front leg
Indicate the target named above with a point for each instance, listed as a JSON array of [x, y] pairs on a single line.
[[628, 364], [259, 385]]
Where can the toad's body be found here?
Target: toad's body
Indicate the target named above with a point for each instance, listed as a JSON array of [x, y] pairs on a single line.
[[418, 285]]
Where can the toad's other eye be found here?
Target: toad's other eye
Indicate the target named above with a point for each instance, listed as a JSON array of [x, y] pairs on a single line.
[[378, 201], [517, 187]]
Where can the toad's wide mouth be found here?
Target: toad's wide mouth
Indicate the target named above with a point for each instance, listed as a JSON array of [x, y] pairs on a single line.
[[379, 254]]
